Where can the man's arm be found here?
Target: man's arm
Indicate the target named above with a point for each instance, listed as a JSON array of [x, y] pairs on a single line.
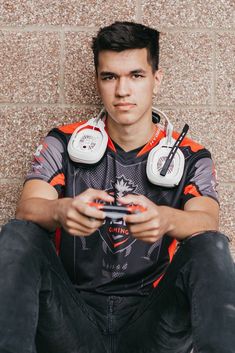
[[199, 214], [39, 203]]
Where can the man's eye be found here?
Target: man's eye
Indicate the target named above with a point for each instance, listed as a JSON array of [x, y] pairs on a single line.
[[137, 76], [108, 78]]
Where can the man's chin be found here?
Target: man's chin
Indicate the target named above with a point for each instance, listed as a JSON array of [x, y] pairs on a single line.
[[124, 119]]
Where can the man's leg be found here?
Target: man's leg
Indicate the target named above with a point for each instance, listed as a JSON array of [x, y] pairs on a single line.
[[208, 279], [38, 300], [193, 305]]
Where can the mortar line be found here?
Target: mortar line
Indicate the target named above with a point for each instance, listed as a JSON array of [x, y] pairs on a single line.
[[205, 30], [138, 13], [196, 106], [47, 105], [88, 105], [11, 181], [226, 183], [47, 28], [213, 85], [61, 72]]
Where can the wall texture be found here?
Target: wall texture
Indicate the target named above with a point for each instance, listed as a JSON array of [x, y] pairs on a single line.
[[46, 77]]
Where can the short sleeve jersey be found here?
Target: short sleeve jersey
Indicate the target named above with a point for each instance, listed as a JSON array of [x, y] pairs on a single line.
[[111, 261]]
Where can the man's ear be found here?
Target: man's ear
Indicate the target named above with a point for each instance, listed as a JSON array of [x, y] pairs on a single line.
[[158, 76]]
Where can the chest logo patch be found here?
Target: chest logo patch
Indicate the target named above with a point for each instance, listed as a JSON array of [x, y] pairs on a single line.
[[115, 233]]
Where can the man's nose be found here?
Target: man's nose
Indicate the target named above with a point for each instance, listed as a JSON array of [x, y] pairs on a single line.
[[123, 87]]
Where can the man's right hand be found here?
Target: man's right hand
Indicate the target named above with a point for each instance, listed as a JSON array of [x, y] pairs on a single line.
[[77, 217], [39, 203]]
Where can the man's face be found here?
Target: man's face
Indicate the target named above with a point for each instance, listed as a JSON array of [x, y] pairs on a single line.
[[126, 83]]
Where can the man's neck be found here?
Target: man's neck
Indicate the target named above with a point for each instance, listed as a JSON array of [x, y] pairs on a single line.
[[130, 137]]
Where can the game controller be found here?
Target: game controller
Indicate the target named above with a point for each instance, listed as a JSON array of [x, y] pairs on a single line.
[[116, 211]]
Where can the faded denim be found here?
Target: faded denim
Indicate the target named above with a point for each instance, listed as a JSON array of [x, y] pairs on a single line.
[[40, 311]]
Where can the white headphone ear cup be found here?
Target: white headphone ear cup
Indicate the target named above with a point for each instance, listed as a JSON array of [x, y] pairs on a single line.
[[155, 162], [87, 145]]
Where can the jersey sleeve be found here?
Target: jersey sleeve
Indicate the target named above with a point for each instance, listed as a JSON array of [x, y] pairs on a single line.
[[48, 163], [201, 180]]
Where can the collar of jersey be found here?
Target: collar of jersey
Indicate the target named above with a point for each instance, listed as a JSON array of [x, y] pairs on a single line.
[[158, 134]]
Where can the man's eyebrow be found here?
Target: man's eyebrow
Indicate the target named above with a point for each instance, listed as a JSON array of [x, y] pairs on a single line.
[[138, 71], [107, 73], [132, 72]]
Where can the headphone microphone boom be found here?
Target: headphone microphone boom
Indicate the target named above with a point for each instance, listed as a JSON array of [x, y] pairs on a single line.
[[165, 164]]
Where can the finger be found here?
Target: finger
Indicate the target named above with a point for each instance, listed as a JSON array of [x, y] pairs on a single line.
[[86, 221], [78, 229], [92, 194], [148, 234], [152, 226], [78, 232], [149, 239], [86, 210], [140, 217], [135, 199]]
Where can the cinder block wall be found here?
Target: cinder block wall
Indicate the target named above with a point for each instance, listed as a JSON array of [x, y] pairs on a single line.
[[47, 77]]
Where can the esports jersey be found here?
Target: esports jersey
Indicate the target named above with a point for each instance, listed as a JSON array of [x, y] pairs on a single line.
[[111, 261]]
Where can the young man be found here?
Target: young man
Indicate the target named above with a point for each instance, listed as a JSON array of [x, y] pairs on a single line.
[[118, 287]]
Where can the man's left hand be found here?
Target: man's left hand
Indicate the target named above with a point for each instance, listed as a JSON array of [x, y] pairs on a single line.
[[149, 225]]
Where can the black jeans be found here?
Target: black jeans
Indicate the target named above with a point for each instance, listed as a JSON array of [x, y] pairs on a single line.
[[192, 307]]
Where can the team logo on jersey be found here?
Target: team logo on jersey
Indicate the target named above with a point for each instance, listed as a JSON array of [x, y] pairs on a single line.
[[123, 186], [115, 233], [38, 150], [38, 155]]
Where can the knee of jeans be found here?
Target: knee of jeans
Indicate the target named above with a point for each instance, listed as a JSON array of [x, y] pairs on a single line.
[[207, 261], [210, 247], [211, 239], [23, 237]]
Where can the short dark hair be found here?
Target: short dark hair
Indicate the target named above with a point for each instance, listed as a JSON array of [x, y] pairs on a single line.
[[120, 36]]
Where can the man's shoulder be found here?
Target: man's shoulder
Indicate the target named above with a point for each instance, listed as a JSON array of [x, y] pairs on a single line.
[[68, 129], [190, 143], [64, 132]]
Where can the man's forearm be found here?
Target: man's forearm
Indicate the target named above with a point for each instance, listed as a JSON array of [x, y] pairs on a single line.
[[185, 223], [40, 211]]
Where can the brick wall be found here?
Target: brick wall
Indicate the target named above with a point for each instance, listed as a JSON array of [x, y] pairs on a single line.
[[46, 77]]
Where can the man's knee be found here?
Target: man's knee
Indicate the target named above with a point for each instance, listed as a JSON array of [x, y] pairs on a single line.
[[209, 253], [207, 242], [21, 236]]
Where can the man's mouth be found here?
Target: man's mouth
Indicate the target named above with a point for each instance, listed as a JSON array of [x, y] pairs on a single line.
[[124, 106]]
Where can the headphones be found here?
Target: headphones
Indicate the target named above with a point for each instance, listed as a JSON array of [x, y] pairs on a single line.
[[165, 164]]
